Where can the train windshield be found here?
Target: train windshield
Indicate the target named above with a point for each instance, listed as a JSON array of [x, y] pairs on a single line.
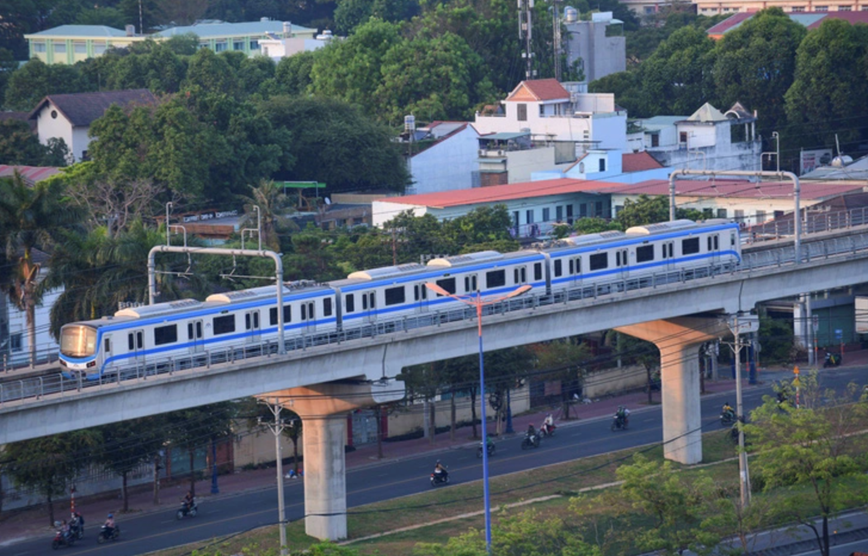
[[77, 341]]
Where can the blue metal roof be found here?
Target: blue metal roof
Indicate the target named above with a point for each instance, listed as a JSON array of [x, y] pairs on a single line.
[[81, 31], [244, 29]]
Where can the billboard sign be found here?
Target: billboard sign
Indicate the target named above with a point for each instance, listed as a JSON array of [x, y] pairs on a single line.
[[812, 159], [861, 315]]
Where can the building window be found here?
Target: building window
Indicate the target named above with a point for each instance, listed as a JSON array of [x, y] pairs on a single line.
[[721, 213], [655, 140], [760, 216], [583, 210], [238, 45], [54, 114], [38, 46], [649, 10], [845, 8], [682, 137], [16, 342], [821, 8], [529, 216], [602, 164], [522, 112], [254, 45], [547, 213], [598, 209], [79, 48], [220, 46], [798, 9], [98, 48], [559, 213], [581, 167], [60, 48], [542, 110]]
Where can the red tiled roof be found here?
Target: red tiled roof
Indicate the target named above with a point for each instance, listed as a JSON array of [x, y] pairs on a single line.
[[539, 89], [813, 20], [499, 193], [717, 31], [850, 17], [31, 174], [636, 162], [735, 188]]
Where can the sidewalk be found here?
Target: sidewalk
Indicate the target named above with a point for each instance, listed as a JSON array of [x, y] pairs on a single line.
[[20, 525]]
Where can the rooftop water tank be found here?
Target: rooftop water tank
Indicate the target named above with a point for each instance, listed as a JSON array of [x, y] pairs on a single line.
[[571, 15]]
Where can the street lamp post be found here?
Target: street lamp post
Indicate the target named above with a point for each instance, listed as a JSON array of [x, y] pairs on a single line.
[[476, 301]]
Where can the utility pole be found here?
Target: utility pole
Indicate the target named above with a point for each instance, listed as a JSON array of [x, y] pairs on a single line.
[[525, 34], [556, 26], [738, 324], [277, 429]]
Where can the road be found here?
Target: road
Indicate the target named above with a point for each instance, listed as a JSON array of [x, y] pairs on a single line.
[[236, 513]]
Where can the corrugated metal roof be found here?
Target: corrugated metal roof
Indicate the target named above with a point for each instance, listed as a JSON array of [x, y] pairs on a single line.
[[243, 29], [501, 193], [735, 189], [31, 174], [88, 31]]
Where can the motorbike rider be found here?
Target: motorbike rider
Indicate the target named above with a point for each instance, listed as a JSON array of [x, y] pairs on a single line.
[[109, 525], [622, 414], [188, 501], [728, 411], [548, 424], [76, 523], [440, 471], [64, 531], [531, 432]]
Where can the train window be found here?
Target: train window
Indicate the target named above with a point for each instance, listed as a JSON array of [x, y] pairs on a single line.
[[447, 284], [140, 339], [108, 345], [599, 261], [644, 253], [224, 325], [732, 240], [558, 267], [350, 303], [251, 320], [247, 321], [307, 312], [165, 334], [690, 246], [496, 278], [304, 311], [287, 314], [713, 243], [394, 296], [671, 246], [189, 330], [130, 342], [537, 271], [327, 307]]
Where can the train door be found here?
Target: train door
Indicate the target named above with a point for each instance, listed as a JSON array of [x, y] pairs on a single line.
[[194, 336], [369, 305], [471, 284], [622, 262], [308, 315], [668, 254], [713, 245], [251, 325], [136, 346], [106, 350], [420, 296]]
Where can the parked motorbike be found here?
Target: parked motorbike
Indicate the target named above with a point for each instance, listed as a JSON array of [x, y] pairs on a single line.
[[491, 450], [619, 423], [832, 360], [60, 540], [547, 430], [186, 510], [439, 479], [530, 441], [105, 535]]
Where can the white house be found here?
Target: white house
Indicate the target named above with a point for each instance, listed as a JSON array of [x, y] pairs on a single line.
[[444, 159], [68, 117]]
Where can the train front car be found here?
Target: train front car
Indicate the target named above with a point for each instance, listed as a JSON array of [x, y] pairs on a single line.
[[79, 348]]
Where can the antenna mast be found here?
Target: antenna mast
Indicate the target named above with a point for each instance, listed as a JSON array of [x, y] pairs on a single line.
[[525, 33], [556, 26]]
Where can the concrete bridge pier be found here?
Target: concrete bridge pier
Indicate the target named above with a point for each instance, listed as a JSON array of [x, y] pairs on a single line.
[[323, 409], [679, 340]]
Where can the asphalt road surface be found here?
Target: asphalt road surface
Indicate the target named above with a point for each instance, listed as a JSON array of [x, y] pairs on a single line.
[[232, 514]]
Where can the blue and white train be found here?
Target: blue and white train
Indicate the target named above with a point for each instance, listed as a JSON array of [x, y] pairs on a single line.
[[147, 335]]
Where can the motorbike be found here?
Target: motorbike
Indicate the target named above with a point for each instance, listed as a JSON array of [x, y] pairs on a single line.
[[491, 450], [546, 431], [727, 418], [60, 540], [619, 423], [439, 479], [186, 510], [831, 360], [530, 441], [104, 534]]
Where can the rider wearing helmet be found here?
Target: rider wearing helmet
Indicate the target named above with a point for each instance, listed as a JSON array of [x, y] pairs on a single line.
[[728, 410], [109, 525], [440, 470]]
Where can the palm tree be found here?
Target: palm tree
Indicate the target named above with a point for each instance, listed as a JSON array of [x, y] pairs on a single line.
[[32, 218], [272, 203]]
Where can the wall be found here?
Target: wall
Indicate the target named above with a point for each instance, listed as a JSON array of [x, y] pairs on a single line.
[[382, 212], [255, 448], [48, 127], [522, 164], [46, 345], [446, 165], [606, 381]]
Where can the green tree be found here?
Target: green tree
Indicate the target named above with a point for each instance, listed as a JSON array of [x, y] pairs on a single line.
[[292, 74], [756, 65], [212, 73], [561, 361], [651, 210], [352, 13], [50, 464], [595, 225], [197, 427], [675, 505], [824, 101], [810, 451], [33, 218], [127, 444], [272, 204], [34, 80], [425, 382], [19, 145]]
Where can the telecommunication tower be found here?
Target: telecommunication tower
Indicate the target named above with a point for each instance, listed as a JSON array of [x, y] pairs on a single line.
[[525, 33]]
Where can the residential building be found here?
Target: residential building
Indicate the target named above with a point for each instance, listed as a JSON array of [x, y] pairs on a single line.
[[68, 117], [442, 156], [68, 44], [610, 165], [707, 139], [599, 44], [541, 124], [810, 13], [839, 170], [277, 48]]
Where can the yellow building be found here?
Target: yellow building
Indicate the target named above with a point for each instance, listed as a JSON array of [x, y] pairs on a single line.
[[69, 44]]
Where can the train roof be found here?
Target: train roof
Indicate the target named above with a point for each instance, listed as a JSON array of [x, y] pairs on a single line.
[[99, 323], [675, 225], [159, 309], [265, 292], [386, 272], [462, 260]]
